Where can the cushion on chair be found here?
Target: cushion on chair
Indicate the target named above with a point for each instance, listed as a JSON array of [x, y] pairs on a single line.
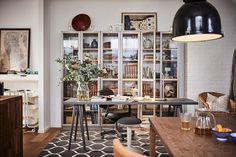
[[129, 121], [114, 116], [217, 103]]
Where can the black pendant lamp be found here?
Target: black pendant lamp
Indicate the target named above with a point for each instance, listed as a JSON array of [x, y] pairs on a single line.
[[196, 20]]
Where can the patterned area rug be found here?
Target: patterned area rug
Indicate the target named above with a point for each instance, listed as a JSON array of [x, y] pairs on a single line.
[[96, 147]]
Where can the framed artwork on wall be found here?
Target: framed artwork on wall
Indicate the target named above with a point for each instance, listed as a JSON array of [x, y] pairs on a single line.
[[14, 49], [139, 21]]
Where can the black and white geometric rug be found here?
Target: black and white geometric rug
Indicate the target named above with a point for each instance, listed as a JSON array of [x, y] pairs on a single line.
[[96, 147]]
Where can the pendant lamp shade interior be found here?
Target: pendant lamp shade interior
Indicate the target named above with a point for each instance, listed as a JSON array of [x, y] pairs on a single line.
[[196, 20]]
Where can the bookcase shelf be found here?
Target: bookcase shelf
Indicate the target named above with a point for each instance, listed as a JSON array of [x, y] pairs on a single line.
[[147, 61]]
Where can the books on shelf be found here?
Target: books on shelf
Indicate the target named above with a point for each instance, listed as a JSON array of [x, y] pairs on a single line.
[[131, 71], [147, 90]]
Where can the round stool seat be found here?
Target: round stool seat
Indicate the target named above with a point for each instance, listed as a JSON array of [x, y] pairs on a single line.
[[129, 121]]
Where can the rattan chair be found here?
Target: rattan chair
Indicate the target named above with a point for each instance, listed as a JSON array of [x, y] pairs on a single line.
[[122, 151], [203, 97]]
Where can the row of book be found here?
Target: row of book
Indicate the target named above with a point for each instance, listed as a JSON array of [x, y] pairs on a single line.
[[131, 71]]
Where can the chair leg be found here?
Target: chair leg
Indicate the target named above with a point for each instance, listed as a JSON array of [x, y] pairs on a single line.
[[129, 135], [169, 110]]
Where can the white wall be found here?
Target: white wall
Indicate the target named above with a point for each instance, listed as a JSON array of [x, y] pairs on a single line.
[[209, 63], [22, 14], [103, 13], [28, 14]]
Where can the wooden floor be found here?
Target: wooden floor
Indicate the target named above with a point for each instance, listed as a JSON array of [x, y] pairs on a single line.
[[34, 143]]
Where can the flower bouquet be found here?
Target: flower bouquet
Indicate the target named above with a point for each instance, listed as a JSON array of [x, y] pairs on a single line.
[[81, 71]]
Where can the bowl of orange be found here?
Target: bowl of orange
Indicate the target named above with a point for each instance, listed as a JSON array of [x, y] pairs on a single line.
[[221, 133]]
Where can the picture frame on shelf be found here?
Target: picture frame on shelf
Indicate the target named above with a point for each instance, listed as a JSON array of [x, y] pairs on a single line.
[[139, 21], [14, 49]]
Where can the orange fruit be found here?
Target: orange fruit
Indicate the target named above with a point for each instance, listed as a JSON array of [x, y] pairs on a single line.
[[219, 128], [225, 130]]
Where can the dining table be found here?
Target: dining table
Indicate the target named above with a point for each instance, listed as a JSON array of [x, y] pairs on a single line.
[[182, 143]]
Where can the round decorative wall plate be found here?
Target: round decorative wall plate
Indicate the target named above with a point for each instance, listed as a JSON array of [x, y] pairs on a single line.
[[81, 22]]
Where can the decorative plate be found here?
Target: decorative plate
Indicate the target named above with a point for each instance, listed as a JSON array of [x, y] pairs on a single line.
[[81, 22]]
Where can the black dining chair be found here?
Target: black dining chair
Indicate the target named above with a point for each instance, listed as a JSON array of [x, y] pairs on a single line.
[[110, 115]]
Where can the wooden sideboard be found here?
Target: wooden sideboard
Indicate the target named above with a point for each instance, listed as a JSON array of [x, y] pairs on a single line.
[[11, 134]]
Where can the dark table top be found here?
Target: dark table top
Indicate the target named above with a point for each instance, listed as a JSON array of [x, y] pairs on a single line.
[[177, 101]]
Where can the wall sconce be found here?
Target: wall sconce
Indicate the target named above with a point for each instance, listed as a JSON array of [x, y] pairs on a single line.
[[196, 20]]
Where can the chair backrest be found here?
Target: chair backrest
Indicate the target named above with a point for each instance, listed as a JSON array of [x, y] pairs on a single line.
[[203, 97], [121, 151], [106, 92]]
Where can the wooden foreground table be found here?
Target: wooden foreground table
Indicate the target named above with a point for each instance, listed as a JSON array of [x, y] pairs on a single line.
[[180, 143]]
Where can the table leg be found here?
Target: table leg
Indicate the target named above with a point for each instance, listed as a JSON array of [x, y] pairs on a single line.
[[86, 122], [129, 110], [81, 115], [152, 142], [72, 126], [76, 122], [175, 111]]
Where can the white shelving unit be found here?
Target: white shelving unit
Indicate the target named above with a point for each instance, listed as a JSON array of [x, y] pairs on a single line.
[[147, 61], [16, 82], [27, 87]]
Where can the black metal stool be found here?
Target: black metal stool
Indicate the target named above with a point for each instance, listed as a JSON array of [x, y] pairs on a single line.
[[129, 122]]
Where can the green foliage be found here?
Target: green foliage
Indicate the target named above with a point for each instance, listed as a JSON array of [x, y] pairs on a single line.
[[77, 70]]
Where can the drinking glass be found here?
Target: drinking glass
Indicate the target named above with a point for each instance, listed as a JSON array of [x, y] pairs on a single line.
[[185, 121]]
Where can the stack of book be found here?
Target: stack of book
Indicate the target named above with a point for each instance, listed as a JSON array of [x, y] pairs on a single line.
[[98, 99], [120, 98]]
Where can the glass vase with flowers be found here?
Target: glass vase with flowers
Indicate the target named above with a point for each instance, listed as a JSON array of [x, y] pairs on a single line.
[[81, 71]]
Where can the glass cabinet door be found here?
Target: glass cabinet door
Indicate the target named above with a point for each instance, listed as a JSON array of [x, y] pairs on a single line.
[[169, 66], [90, 44], [130, 62], [70, 46], [90, 48], [148, 64], [158, 66], [110, 60]]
